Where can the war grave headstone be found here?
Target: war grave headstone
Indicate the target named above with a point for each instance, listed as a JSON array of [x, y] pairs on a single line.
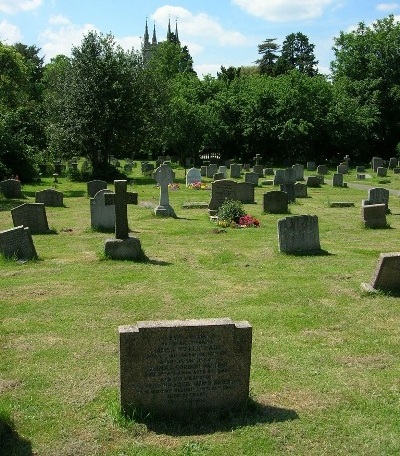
[[95, 186], [183, 368], [251, 178], [212, 168], [299, 234], [300, 190], [123, 247], [235, 170], [224, 170], [192, 176], [378, 195], [164, 176], [299, 171], [387, 274], [381, 171], [275, 202], [102, 217], [279, 177], [393, 162], [50, 197], [376, 162], [11, 188], [374, 216], [322, 170], [17, 242], [311, 166], [337, 180], [31, 215]]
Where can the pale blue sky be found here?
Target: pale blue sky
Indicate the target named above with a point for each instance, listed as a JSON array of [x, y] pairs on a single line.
[[217, 32]]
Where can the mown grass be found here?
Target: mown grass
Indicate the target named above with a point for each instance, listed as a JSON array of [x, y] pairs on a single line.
[[324, 375]]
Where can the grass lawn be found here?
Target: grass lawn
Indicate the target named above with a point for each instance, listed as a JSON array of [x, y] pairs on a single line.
[[325, 358]]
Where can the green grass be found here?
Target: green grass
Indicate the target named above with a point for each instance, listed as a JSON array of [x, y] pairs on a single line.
[[324, 374]]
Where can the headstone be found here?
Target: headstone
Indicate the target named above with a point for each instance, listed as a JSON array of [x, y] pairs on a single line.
[[322, 169], [378, 195], [50, 197], [374, 216], [311, 166], [387, 274], [182, 368], [289, 189], [268, 172], [299, 234], [337, 180], [279, 177], [192, 176], [235, 170], [11, 188], [128, 167], [361, 176], [95, 186], [147, 169], [360, 169], [259, 170], [218, 176], [203, 171], [17, 242], [396, 170], [381, 171], [300, 190], [164, 176], [275, 202], [123, 247], [244, 192], [342, 169], [290, 175], [220, 191], [31, 215], [102, 217], [251, 177], [58, 167], [376, 162], [224, 170], [212, 168], [393, 162], [299, 171], [313, 181]]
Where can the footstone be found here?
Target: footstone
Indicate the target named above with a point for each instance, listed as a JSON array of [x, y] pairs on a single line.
[[183, 368], [17, 242], [387, 274]]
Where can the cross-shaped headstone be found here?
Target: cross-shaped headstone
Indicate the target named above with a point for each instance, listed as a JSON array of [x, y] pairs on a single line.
[[164, 176], [257, 158], [121, 198]]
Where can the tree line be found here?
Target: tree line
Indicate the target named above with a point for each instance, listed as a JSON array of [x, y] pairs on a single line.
[[105, 101]]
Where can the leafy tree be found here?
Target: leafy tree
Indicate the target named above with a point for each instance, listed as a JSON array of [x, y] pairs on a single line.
[[297, 53], [268, 50], [228, 74]]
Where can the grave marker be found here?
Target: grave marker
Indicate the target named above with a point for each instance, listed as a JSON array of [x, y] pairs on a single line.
[[17, 242], [102, 216], [11, 188], [164, 176], [95, 186], [299, 234], [275, 202], [50, 197], [192, 176], [31, 215], [387, 274]]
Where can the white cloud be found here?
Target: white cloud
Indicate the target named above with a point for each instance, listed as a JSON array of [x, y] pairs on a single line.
[[59, 20], [129, 42], [14, 6], [9, 33], [284, 10], [205, 69], [196, 25], [387, 6], [60, 40]]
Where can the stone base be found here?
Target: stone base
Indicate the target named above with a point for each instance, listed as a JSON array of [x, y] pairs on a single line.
[[124, 249], [164, 211]]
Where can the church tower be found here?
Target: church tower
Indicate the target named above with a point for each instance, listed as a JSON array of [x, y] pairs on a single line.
[[149, 46]]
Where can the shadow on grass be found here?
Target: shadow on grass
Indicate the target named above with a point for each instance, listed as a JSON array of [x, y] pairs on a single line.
[[254, 413], [11, 443], [8, 204], [321, 252]]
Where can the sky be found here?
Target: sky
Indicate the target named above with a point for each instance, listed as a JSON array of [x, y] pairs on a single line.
[[217, 32]]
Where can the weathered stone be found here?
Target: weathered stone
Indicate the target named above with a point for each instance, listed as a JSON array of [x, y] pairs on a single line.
[[95, 186], [50, 197], [11, 188], [387, 274], [299, 234], [374, 215], [17, 242], [31, 215], [275, 202]]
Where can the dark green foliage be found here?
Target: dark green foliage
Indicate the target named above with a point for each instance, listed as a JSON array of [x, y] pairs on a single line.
[[231, 210], [297, 53]]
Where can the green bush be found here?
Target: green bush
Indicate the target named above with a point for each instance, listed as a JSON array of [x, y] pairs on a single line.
[[231, 210]]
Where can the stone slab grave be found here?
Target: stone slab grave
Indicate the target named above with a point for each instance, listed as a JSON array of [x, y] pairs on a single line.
[[275, 202], [181, 368], [341, 204], [50, 197], [299, 234], [164, 176], [123, 247], [31, 215], [193, 175], [387, 274], [11, 188], [17, 242], [374, 216], [95, 186], [102, 216]]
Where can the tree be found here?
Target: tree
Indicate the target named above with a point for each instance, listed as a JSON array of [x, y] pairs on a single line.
[[297, 53], [95, 109], [228, 74], [267, 49]]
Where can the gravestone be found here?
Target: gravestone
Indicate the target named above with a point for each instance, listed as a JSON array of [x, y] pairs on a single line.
[[128, 167], [218, 176], [269, 172], [374, 216], [360, 169], [95, 186], [288, 188], [299, 234], [251, 178], [322, 169], [224, 170], [275, 202], [244, 192], [393, 162], [311, 166], [313, 181], [17, 242], [387, 274], [212, 168], [182, 368], [299, 172], [361, 176], [164, 176], [123, 247], [220, 191], [193, 176], [396, 170], [58, 167], [279, 177], [381, 171], [11, 188], [337, 180], [31, 215], [378, 195], [235, 170], [342, 169], [376, 162], [258, 167], [203, 171], [102, 217], [300, 190], [50, 197]]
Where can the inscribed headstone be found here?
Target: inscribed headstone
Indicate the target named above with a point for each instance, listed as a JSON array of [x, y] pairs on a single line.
[[183, 368], [17, 242], [299, 234], [378, 195], [31, 215], [244, 192], [50, 197], [221, 190], [192, 176], [251, 177]]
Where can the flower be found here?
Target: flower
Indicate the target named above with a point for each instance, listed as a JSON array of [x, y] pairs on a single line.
[[248, 221], [173, 186]]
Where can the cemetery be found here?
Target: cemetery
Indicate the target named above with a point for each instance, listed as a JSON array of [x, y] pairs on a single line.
[[200, 339]]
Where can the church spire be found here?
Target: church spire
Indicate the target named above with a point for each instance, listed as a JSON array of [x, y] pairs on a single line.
[[169, 33], [146, 36], [176, 30], [154, 40]]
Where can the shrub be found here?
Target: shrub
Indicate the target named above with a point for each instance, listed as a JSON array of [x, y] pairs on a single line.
[[231, 211]]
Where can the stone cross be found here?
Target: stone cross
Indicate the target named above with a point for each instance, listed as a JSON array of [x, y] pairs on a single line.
[[164, 176], [121, 198], [257, 159]]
